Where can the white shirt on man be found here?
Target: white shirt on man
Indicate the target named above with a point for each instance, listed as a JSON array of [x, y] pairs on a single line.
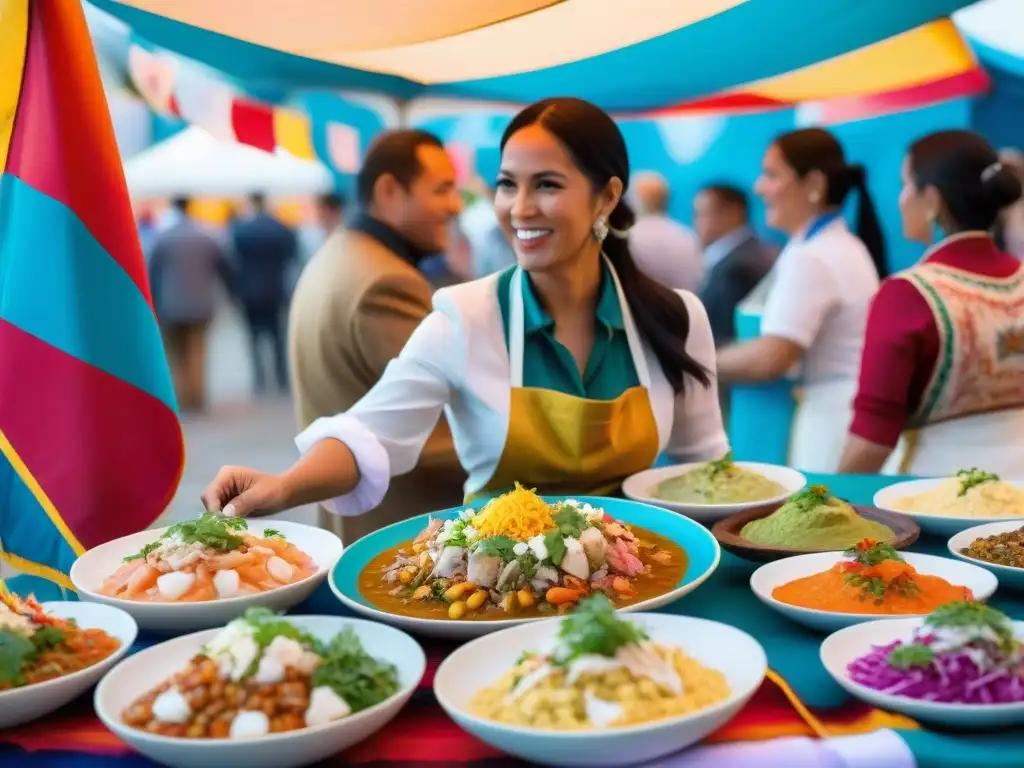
[[667, 251]]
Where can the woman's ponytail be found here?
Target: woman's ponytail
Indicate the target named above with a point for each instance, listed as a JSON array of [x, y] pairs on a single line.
[[660, 313], [867, 226]]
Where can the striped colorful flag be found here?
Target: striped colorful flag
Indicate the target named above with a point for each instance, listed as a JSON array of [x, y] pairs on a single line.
[[90, 442]]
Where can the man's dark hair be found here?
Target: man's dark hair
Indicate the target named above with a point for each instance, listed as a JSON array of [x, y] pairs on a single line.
[[393, 152], [332, 201], [181, 203], [730, 195], [258, 200]]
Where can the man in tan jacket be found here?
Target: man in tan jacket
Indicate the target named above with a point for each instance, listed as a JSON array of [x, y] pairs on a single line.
[[360, 298]]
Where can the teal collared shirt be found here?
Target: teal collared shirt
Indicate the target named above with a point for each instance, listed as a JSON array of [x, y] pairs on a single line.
[[549, 365]]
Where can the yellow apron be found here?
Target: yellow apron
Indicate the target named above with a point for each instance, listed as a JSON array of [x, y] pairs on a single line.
[[562, 444]]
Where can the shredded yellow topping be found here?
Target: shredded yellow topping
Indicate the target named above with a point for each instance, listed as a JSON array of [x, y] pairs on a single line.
[[519, 514]]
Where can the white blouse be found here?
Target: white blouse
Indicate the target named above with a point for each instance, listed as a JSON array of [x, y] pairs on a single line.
[[457, 362], [820, 292]]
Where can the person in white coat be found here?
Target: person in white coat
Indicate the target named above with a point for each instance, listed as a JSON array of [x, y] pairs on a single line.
[[567, 373], [818, 293]]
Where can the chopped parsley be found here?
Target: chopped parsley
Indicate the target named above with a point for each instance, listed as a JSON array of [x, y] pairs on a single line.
[[910, 655], [869, 553], [571, 521], [497, 546], [528, 564], [18, 652], [810, 497], [593, 628], [272, 533], [356, 676], [720, 465], [972, 477], [555, 544], [209, 529]]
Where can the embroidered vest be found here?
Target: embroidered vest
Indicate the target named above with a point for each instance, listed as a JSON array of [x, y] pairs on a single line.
[[980, 321]]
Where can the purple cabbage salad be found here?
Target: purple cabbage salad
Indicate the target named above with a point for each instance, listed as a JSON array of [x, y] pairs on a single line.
[[964, 653]]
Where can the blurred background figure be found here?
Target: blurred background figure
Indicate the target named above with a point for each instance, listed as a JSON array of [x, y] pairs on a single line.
[[328, 215], [186, 266], [1010, 228], [264, 250], [490, 252], [735, 261], [360, 299], [663, 248]]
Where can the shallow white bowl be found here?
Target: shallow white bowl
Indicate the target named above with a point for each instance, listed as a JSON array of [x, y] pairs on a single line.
[[641, 486], [20, 705], [772, 575], [145, 670], [481, 662], [90, 571], [934, 524], [1008, 576], [841, 648]]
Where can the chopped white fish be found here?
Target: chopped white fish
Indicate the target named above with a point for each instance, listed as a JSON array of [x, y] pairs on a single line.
[[540, 549], [291, 653], [596, 547], [226, 583], [575, 561], [171, 707], [326, 706], [451, 562], [530, 679], [544, 577], [601, 713], [520, 549], [174, 584], [269, 671], [644, 661], [483, 570], [280, 569], [509, 573], [249, 723], [234, 649]]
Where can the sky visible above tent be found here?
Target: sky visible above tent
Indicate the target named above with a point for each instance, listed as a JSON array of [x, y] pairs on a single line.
[[640, 55]]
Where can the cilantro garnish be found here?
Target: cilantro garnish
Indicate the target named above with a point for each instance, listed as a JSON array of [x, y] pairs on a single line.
[[571, 521], [810, 497], [966, 614], [209, 529], [593, 628], [353, 674], [720, 465], [497, 546], [910, 655], [972, 477], [272, 533], [555, 545], [869, 553], [15, 652]]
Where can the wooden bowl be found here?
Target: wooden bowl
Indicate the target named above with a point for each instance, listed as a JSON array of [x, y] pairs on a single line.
[[727, 532]]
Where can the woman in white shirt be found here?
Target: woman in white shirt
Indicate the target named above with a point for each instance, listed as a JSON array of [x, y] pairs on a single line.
[[567, 373], [818, 293]]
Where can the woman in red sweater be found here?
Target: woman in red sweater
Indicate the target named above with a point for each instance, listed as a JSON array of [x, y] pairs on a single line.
[[941, 382]]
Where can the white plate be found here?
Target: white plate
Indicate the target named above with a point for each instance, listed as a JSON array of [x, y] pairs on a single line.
[[1008, 576], [20, 705], [640, 487], [933, 524], [841, 648], [90, 571], [772, 575], [145, 670], [481, 662]]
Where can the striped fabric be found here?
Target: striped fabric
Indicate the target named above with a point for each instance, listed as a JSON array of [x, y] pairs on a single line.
[[90, 444], [654, 55]]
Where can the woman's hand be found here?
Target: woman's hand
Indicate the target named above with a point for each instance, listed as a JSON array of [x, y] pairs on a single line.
[[244, 492]]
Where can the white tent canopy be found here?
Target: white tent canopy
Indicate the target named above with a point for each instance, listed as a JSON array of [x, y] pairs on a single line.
[[195, 163]]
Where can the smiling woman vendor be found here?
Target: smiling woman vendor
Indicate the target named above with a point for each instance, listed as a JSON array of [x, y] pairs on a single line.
[[818, 292], [567, 373]]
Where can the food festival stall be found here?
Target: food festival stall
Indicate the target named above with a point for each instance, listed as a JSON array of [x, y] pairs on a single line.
[[798, 697]]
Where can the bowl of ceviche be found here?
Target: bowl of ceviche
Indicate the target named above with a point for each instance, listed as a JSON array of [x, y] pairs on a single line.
[[265, 690], [52, 652], [829, 590], [961, 666], [204, 572], [599, 687], [521, 557]]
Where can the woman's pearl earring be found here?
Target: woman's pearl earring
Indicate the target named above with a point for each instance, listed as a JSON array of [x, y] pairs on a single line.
[[600, 229], [815, 198]]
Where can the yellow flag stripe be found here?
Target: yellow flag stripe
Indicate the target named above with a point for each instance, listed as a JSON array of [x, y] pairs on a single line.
[[13, 43]]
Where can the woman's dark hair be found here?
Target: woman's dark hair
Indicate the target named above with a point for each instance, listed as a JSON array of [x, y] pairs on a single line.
[[815, 149], [965, 170], [599, 151]]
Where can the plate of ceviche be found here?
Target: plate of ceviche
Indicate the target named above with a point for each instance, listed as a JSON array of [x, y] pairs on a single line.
[[600, 687], [960, 666], [266, 690], [830, 590], [202, 573], [52, 652], [521, 557], [997, 547], [946, 506], [713, 490]]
